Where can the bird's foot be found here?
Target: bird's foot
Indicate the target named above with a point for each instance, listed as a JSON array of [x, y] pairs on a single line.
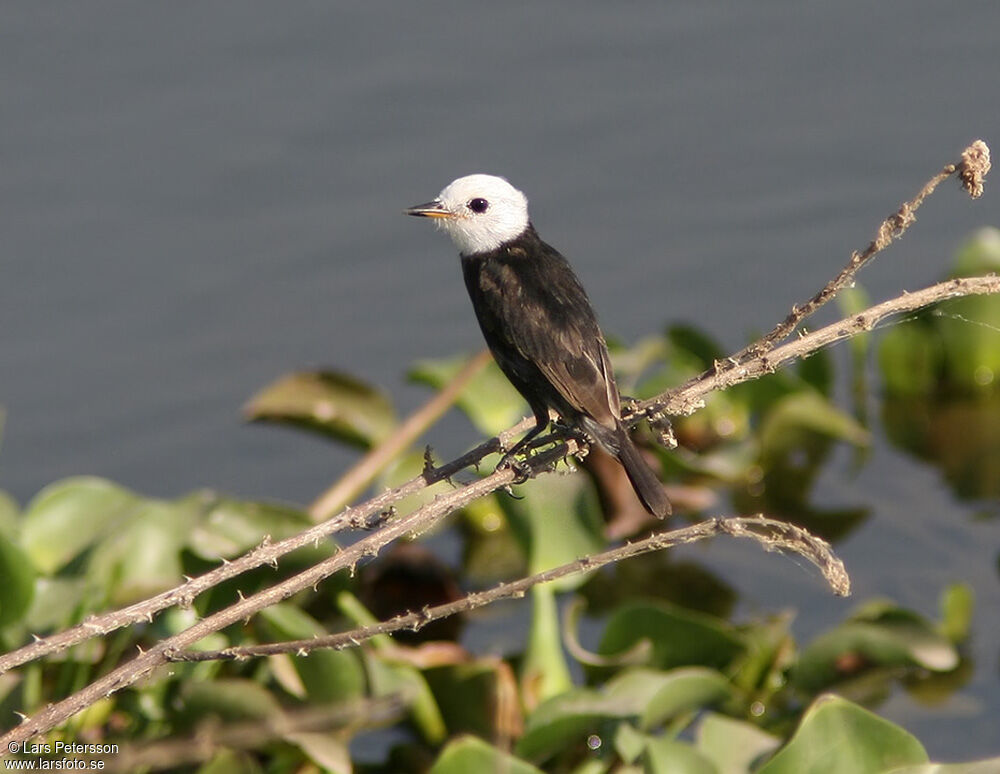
[[520, 467]]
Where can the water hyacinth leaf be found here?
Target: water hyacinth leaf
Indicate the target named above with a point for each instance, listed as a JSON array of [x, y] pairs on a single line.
[[570, 718], [327, 402], [327, 675], [469, 754], [228, 527], [489, 400], [969, 326], [69, 516], [836, 735], [685, 690], [142, 556], [878, 636], [17, 588], [678, 637], [226, 698], [733, 746], [805, 411], [669, 756], [911, 357]]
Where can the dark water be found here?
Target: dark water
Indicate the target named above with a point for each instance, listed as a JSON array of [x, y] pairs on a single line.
[[199, 197]]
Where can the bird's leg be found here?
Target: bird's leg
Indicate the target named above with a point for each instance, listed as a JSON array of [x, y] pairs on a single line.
[[541, 422]]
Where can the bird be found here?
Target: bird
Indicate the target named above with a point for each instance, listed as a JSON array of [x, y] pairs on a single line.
[[538, 321]]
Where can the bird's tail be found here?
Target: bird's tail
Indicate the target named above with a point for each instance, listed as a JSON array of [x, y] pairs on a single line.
[[644, 480]]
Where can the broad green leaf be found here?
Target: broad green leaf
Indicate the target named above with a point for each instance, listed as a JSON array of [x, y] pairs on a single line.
[[669, 756], [688, 689], [678, 637], [388, 677], [327, 675], [69, 516], [331, 403], [569, 718], [142, 556], [732, 745], [805, 411], [56, 605], [911, 357], [17, 587], [879, 635], [227, 527], [489, 400], [228, 699], [469, 754], [838, 737]]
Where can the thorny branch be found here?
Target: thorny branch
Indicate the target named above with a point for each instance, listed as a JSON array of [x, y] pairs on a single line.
[[759, 358]]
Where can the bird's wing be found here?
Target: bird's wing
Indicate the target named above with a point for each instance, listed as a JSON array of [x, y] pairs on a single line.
[[553, 325]]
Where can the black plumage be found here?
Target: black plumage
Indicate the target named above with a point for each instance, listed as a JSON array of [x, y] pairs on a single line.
[[543, 333]]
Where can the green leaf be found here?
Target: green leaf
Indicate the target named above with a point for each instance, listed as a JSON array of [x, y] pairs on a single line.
[[837, 736], [569, 718], [17, 588], [911, 357], [678, 637], [734, 746], [327, 675], [227, 527], [805, 411], [878, 635], [69, 516], [489, 400], [685, 690], [142, 556], [228, 699], [668, 756], [330, 403], [469, 754]]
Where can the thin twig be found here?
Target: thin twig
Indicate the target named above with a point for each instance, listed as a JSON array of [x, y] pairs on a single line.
[[972, 168], [772, 534]]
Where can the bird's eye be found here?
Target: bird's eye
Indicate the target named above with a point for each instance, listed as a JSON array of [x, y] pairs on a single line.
[[478, 206]]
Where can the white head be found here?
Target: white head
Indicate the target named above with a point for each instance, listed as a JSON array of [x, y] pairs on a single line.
[[479, 212]]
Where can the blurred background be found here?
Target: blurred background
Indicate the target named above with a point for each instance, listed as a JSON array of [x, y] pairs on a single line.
[[198, 198]]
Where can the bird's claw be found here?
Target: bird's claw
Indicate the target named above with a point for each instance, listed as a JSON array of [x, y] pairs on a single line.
[[520, 468]]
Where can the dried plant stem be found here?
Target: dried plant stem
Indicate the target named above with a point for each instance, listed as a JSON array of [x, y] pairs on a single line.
[[772, 534], [972, 168]]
